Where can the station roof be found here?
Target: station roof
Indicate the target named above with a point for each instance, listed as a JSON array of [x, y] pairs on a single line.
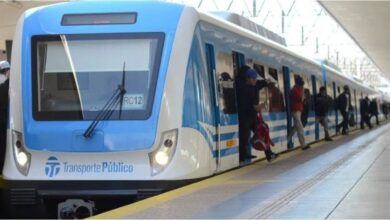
[[9, 15], [367, 22]]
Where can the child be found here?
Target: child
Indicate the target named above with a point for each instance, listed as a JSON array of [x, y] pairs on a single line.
[[261, 139]]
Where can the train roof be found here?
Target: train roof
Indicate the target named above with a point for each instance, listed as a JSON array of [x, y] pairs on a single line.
[[218, 21]]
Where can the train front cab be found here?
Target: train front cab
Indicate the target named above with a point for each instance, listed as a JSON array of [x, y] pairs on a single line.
[[60, 70]]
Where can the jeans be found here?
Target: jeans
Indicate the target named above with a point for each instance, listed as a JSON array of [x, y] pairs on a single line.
[[344, 123], [298, 127], [323, 120], [245, 127], [365, 119]]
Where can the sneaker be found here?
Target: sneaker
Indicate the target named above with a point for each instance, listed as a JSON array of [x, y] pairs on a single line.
[[328, 139], [306, 147], [272, 157]]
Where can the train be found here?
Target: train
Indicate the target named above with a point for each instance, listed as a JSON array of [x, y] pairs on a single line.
[[116, 100]]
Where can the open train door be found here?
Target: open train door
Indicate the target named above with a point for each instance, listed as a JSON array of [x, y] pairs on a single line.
[[211, 68], [221, 68]]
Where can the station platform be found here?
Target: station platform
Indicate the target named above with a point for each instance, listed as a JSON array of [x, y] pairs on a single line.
[[343, 179]]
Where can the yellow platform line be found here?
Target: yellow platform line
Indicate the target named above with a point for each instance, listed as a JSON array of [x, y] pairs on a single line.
[[171, 195]]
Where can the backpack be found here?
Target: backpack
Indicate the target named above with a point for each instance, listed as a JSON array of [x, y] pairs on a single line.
[[261, 140]]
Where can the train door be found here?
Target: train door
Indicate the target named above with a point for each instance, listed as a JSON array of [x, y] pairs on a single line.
[[309, 92], [287, 99], [224, 72], [239, 61], [276, 116], [307, 116], [355, 107], [211, 68], [332, 109], [358, 116], [317, 83], [337, 92]]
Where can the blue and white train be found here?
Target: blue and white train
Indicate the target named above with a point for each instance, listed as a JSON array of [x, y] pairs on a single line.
[[111, 100]]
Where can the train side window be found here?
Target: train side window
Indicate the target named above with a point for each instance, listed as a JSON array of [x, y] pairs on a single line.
[[263, 93], [354, 99], [260, 70], [329, 92], [276, 100], [308, 92], [225, 74], [273, 73]]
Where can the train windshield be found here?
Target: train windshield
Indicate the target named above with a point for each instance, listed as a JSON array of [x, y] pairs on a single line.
[[74, 76]]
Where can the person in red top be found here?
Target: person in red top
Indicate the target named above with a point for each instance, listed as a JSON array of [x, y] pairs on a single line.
[[297, 108]]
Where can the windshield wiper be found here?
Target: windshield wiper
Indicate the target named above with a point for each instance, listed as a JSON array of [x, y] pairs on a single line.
[[108, 109], [123, 89]]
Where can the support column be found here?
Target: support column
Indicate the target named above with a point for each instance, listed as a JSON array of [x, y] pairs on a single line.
[[8, 49]]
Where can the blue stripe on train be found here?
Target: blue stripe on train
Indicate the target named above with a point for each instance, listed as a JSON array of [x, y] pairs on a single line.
[[226, 136], [274, 116], [278, 128], [227, 151]]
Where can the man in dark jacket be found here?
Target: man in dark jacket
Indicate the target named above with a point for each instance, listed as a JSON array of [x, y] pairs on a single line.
[[321, 110], [4, 69], [365, 113], [248, 105], [344, 106]]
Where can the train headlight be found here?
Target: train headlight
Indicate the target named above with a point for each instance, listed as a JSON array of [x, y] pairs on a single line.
[[21, 156], [162, 156]]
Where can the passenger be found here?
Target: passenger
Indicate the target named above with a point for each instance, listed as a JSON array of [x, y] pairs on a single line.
[[321, 110], [374, 110], [261, 139], [365, 113], [276, 103], [297, 108], [4, 87], [344, 106], [248, 106], [306, 106]]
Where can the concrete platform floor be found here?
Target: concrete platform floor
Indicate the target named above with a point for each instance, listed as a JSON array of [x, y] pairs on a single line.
[[348, 178]]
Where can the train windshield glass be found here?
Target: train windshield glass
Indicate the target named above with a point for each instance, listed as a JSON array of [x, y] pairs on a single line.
[[74, 76]]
